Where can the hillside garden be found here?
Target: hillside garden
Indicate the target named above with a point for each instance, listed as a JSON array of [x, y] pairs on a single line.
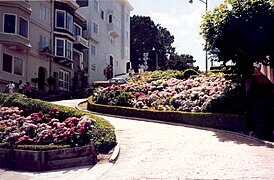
[[174, 90]]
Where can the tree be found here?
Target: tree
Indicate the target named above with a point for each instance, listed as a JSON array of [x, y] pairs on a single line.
[[146, 36], [181, 62], [241, 32]]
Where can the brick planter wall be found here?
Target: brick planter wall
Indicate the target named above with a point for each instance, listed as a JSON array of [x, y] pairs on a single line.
[[48, 160]]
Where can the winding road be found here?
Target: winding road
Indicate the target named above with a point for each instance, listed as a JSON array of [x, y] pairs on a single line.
[[157, 151]]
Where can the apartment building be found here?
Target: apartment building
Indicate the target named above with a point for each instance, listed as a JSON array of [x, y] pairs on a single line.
[[41, 42], [108, 32]]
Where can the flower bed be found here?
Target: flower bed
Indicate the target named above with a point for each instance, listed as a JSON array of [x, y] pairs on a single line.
[[195, 94], [44, 129], [38, 129]]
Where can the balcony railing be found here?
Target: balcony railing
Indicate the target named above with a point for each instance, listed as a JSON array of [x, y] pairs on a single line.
[[80, 40], [113, 30]]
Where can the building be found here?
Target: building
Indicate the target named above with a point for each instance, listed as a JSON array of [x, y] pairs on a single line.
[[108, 32], [41, 42]]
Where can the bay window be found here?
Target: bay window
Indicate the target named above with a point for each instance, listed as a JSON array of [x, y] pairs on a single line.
[[60, 47], [23, 27], [69, 50], [9, 23], [60, 19]]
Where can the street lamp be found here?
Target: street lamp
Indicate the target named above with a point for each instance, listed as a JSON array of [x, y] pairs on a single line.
[[206, 63], [156, 58]]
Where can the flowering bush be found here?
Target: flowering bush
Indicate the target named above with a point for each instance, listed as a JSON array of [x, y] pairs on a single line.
[[39, 128], [194, 94]]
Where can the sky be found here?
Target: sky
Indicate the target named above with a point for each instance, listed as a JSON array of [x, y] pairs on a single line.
[[181, 19]]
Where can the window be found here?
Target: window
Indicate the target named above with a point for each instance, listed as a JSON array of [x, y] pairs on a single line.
[[93, 50], [60, 19], [104, 57], [23, 27], [69, 50], [9, 23], [102, 14], [96, 5], [18, 66], [7, 63], [77, 30], [126, 35], [64, 78], [43, 12], [69, 22], [60, 47], [95, 28], [12, 64], [126, 52], [110, 18], [127, 17], [42, 42]]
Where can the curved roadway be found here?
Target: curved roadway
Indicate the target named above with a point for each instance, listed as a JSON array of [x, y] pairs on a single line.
[[154, 151]]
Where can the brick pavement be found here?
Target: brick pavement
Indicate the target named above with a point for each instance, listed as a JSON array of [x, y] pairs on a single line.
[[159, 151], [153, 151]]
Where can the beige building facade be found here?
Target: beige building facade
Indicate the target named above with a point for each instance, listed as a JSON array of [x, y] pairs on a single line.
[[41, 40]]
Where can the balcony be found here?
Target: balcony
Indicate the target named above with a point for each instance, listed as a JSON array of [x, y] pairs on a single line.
[[20, 4], [71, 3], [46, 51], [15, 41], [113, 30], [80, 43]]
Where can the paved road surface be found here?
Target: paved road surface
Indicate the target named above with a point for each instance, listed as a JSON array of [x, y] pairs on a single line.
[[159, 151], [154, 151]]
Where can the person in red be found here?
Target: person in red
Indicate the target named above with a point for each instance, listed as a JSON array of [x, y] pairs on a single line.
[[28, 89]]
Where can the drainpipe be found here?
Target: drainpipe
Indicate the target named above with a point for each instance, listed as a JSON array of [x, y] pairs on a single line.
[[51, 38]]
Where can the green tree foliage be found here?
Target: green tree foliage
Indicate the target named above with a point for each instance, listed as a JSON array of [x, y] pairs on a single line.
[[241, 31], [181, 62], [151, 38]]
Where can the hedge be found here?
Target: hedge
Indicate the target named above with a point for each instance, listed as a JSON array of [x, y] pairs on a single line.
[[105, 138], [230, 122]]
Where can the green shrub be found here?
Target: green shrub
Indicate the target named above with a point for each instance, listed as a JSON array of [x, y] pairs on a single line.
[[229, 102], [189, 72]]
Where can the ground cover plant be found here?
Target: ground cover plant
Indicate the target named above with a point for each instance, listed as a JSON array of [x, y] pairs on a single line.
[[171, 90]]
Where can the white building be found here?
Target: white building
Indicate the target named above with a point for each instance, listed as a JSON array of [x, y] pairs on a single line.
[[108, 32]]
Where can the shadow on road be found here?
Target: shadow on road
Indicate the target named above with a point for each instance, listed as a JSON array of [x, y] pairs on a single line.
[[241, 139]]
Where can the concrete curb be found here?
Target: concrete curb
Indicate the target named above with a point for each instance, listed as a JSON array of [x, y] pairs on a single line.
[[116, 149], [115, 154]]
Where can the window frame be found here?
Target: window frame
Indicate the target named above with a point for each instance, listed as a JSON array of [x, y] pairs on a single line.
[[95, 28], [43, 12], [96, 5], [12, 65], [102, 14], [15, 26], [20, 65], [64, 46], [92, 47], [56, 19], [64, 79], [67, 49], [78, 26], [69, 24], [27, 36]]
